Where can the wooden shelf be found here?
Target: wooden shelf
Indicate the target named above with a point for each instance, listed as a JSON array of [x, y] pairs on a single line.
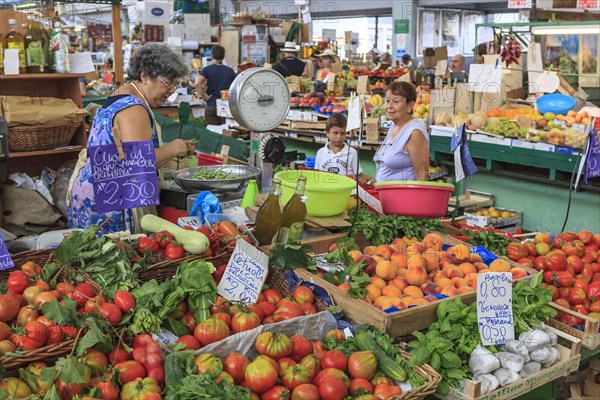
[[52, 75], [20, 154]]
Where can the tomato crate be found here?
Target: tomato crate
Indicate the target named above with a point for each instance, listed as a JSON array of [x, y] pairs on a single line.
[[397, 323], [569, 362], [590, 335]]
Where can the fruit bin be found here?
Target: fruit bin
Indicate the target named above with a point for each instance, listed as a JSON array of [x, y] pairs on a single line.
[[569, 348], [503, 218], [398, 323], [590, 335]]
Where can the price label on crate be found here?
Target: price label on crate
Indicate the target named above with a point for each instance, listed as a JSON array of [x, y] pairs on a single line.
[[494, 307], [6, 261], [124, 183], [245, 274]]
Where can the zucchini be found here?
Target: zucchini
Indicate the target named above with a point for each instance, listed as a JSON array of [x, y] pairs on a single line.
[[193, 242], [384, 362]]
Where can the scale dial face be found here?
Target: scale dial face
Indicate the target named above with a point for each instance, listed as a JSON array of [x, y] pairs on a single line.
[[259, 99]]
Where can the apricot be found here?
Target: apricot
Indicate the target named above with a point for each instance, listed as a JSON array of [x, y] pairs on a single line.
[[465, 289], [467, 268], [480, 265], [433, 241], [400, 258], [399, 282], [473, 258], [370, 250], [399, 243], [415, 261], [392, 291], [386, 270], [416, 275], [373, 292], [458, 282], [431, 259], [355, 254], [429, 288], [452, 271], [369, 262], [459, 253], [377, 281], [518, 273], [449, 291], [407, 300], [499, 265], [414, 292], [384, 250]]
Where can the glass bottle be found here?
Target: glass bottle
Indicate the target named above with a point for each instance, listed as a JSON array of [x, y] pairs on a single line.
[[294, 215], [14, 40], [48, 60], [2, 47], [59, 46], [34, 47], [269, 216], [419, 75]]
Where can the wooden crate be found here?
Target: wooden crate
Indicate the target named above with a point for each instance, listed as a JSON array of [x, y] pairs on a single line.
[[590, 335], [399, 323], [569, 362]]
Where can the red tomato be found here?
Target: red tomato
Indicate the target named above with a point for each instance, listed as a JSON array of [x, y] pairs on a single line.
[[306, 391], [93, 304], [333, 388], [360, 383], [303, 294], [116, 356], [189, 342], [111, 312], [273, 296], [54, 335], [64, 288], [158, 374], [31, 269], [258, 311], [69, 331], [211, 330], [31, 336], [142, 340], [595, 307], [277, 392], [130, 370], [224, 317], [174, 251], [331, 372], [82, 293], [271, 361], [95, 360], [285, 363], [593, 292], [244, 320], [267, 308], [576, 296], [17, 282], [574, 248], [580, 283], [318, 349], [274, 345], [153, 361], [147, 243], [567, 319], [141, 389], [301, 347], [27, 314], [556, 260], [163, 238], [362, 364], [260, 376], [188, 321], [295, 376], [124, 300], [335, 359], [337, 333], [9, 307], [385, 391], [313, 363], [288, 311], [235, 365], [4, 331], [107, 390]]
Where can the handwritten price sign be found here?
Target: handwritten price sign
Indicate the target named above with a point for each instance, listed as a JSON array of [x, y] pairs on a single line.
[[5, 261], [128, 183], [494, 307], [245, 274]]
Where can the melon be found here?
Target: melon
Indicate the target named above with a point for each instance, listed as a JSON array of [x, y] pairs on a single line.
[[478, 121], [481, 114], [460, 120], [493, 121], [443, 118]]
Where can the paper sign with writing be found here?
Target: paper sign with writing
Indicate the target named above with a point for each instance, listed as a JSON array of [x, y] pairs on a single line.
[[5, 261], [128, 183], [592, 166], [494, 307], [363, 86], [245, 274], [441, 68], [372, 130], [353, 114], [331, 81], [485, 78], [371, 201]]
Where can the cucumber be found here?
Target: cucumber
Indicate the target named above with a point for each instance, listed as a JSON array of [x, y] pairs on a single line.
[[384, 362]]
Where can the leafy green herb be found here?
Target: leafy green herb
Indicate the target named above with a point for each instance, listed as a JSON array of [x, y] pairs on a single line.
[[71, 370], [179, 364], [62, 314], [488, 239], [291, 256], [196, 280], [341, 255], [96, 336], [353, 275], [530, 305], [196, 387]]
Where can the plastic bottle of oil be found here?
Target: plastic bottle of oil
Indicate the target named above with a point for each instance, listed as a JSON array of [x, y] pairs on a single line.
[[34, 47], [2, 47], [269, 216], [14, 40], [294, 215]]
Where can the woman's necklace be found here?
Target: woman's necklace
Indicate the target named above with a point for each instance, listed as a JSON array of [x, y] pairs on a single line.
[[139, 91], [398, 128]]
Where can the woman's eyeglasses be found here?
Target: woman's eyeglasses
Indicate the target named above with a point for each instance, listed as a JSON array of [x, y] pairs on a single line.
[[169, 86]]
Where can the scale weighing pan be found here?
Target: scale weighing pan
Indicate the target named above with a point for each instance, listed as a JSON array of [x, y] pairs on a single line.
[[240, 175]]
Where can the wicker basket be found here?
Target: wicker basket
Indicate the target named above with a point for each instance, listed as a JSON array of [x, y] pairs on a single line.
[[276, 279], [428, 373], [41, 137], [167, 269]]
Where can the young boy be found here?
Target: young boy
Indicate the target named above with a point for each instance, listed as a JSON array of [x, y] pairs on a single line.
[[336, 156]]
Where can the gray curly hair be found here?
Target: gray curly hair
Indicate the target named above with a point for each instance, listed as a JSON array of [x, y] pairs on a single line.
[[155, 60]]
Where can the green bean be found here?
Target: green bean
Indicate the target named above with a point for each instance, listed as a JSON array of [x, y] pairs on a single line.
[[212, 174]]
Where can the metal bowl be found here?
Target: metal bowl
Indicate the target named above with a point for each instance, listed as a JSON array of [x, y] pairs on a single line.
[[240, 175]]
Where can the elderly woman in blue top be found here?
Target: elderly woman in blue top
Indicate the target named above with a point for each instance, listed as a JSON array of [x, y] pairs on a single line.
[[404, 154], [153, 71]]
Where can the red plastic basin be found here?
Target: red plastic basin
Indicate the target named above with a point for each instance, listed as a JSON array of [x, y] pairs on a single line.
[[207, 159], [414, 198]]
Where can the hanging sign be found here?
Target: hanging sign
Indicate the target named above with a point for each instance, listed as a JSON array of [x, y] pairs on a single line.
[[401, 26], [6, 261], [592, 166], [519, 3], [329, 34], [245, 274], [588, 4], [494, 308], [124, 182]]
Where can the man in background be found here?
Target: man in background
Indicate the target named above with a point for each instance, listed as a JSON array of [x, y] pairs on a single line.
[[458, 63], [211, 80], [290, 64]]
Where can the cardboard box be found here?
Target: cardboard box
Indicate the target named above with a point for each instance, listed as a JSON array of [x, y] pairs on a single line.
[[483, 138], [441, 131], [432, 55], [463, 98], [482, 220]]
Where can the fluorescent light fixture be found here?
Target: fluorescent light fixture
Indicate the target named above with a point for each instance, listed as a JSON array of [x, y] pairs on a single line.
[[565, 29]]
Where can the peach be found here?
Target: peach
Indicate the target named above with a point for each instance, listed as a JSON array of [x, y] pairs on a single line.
[[380, 300], [499, 265], [430, 299], [390, 302], [480, 265], [370, 264], [445, 283], [355, 254], [473, 258], [373, 292], [459, 253], [400, 258], [430, 288], [433, 241], [344, 286], [407, 300], [446, 263], [458, 282], [431, 259], [401, 273], [386, 270], [370, 250], [452, 271], [384, 250], [467, 268], [399, 282], [436, 275], [419, 302], [416, 247], [399, 243], [413, 291], [450, 291], [472, 280], [410, 241], [518, 273], [377, 281], [465, 289], [416, 275], [380, 257], [415, 261], [391, 291]]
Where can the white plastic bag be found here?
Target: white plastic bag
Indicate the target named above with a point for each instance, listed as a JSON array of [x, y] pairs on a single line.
[[482, 361], [513, 362]]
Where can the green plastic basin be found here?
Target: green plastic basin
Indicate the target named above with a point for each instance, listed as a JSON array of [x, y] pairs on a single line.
[[327, 193]]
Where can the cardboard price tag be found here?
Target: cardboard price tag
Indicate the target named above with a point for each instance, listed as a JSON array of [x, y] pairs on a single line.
[[372, 130], [331, 82], [6, 261], [363, 86], [294, 84], [494, 308], [372, 202], [245, 274]]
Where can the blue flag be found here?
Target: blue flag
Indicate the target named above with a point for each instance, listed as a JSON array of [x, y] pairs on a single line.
[[592, 164], [463, 163]]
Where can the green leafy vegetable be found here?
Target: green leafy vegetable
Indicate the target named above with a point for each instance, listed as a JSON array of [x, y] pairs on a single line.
[[196, 387], [530, 304], [488, 239], [291, 256], [96, 336], [62, 314], [196, 280]]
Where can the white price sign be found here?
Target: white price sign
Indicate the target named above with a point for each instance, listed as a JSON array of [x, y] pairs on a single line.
[[245, 274], [494, 307]]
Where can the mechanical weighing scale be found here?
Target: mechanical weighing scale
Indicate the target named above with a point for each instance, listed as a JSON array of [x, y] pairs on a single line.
[[259, 101]]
